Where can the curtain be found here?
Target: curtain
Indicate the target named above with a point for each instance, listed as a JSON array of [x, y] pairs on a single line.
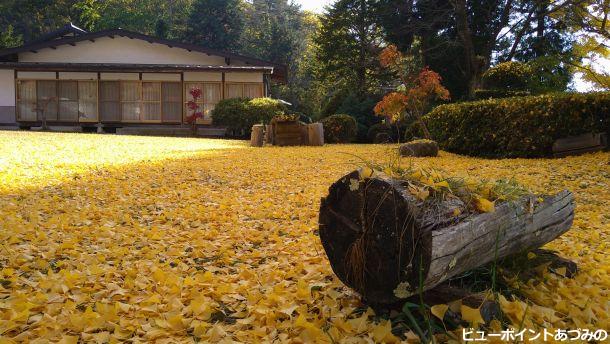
[[87, 100], [68, 101], [46, 93], [130, 91], [130, 111], [151, 101], [171, 96], [110, 106], [235, 91], [253, 90], [151, 111], [26, 100], [211, 93], [130, 100]]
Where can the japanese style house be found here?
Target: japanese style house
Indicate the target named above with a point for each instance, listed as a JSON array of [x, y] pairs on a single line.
[[120, 78]]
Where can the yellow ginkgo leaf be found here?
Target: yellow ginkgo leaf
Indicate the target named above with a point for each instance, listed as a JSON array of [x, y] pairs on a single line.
[[531, 255], [484, 205], [442, 184], [366, 172], [472, 315], [382, 331], [439, 310]]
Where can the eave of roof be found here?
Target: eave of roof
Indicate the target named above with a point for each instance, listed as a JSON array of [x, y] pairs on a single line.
[[280, 70], [121, 67], [59, 33]]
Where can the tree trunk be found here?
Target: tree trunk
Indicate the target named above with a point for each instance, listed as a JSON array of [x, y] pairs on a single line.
[[377, 235], [540, 18], [474, 64]]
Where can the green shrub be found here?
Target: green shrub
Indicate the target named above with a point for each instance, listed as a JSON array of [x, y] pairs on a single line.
[[264, 109], [339, 129], [238, 115], [487, 94], [508, 76], [518, 126], [380, 133]]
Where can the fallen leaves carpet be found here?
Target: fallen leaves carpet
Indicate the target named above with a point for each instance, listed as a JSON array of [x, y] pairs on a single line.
[[116, 238]]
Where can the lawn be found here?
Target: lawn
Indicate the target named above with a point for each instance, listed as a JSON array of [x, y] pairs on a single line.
[[109, 238]]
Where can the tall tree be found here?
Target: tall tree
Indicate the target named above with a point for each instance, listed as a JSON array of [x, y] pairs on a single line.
[[216, 24], [8, 38], [348, 43], [279, 31], [463, 38]]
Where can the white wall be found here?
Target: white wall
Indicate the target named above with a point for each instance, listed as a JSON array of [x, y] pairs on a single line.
[[160, 77], [244, 77], [7, 87], [119, 76], [120, 50], [37, 75], [77, 76], [202, 76]]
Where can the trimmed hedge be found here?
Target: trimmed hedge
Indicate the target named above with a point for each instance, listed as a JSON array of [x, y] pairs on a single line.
[[518, 126], [487, 94], [339, 129], [240, 114], [510, 75]]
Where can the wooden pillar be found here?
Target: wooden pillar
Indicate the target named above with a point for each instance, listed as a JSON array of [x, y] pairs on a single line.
[[182, 96], [222, 86]]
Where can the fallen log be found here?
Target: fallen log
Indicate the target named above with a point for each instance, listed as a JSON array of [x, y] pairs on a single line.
[[378, 236]]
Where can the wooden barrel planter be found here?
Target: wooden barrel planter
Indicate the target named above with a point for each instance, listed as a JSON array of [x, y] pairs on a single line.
[[287, 133]]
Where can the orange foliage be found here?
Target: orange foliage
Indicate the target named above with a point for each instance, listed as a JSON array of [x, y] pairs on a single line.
[[390, 56], [429, 85], [392, 106], [426, 86]]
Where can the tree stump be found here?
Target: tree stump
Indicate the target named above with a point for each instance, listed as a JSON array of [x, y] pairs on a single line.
[[377, 235], [256, 138], [316, 134]]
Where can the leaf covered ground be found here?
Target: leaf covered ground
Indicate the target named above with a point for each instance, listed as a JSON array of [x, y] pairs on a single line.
[[115, 238]]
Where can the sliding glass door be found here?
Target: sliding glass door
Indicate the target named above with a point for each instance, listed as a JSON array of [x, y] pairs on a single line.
[[58, 100]]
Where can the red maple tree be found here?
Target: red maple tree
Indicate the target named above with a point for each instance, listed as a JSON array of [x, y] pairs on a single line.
[[195, 108], [413, 97]]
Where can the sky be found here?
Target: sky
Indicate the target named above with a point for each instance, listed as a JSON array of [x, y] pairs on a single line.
[[313, 5]]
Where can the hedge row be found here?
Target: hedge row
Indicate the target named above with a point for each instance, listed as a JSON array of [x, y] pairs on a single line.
[[517, 126], [240, 114]]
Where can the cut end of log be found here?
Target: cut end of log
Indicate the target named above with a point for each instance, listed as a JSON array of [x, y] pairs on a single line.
[[378, 236]]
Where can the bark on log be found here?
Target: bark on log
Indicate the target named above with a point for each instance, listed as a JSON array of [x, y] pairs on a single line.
[[377, 235], [256, 138]]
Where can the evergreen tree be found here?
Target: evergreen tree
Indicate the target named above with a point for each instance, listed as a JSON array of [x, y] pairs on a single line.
[[216, 24], [9, 39], [348, 46]]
